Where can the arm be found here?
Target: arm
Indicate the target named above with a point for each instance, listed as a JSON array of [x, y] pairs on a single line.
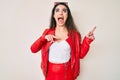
[[86, 43], [37, 45], [85, 47]]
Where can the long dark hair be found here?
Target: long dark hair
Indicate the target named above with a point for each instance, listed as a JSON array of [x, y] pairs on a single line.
[[69, 22]]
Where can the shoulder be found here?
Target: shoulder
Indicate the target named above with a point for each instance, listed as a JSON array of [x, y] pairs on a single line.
[[75, 34], [48, 30]]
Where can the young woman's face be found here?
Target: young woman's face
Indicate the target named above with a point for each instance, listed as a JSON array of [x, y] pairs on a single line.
[[60, 15]]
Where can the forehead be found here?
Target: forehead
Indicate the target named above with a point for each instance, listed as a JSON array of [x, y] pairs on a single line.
[[61, 7]]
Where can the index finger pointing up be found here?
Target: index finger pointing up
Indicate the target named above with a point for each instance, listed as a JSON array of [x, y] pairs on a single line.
[[93, 29]]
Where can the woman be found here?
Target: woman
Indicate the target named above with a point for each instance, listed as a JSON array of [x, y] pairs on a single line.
[[61, 46]]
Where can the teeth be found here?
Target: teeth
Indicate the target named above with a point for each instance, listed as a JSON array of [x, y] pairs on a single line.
[[60, 18]]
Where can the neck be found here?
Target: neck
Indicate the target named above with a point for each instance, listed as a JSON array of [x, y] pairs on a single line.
[[61, 28]]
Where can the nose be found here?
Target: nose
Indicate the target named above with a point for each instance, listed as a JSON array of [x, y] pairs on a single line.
[[61, 12]]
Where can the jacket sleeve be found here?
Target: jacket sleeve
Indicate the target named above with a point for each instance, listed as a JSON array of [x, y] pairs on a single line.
[[37, 45], [85, 45]]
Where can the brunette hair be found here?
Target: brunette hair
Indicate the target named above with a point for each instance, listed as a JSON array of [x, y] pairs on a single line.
[[69, 22]]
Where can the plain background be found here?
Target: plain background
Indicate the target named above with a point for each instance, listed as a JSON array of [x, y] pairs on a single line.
[[23, 21]]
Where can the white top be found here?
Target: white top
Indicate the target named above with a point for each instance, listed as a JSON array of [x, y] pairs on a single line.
[[59, 52]]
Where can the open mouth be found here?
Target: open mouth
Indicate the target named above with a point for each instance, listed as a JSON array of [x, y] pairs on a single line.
[[60, 18]]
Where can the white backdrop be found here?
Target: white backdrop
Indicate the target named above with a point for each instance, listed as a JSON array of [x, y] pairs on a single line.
[[23, 21]]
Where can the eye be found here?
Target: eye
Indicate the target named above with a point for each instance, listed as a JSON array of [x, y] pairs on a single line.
[[65, 10], [57, 10]]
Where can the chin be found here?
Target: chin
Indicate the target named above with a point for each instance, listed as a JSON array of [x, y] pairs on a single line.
[[61, 24]]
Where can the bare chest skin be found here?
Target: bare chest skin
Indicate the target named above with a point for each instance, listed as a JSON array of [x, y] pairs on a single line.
[[61, 35]]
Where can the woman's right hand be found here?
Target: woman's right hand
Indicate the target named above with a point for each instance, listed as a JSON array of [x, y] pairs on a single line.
[[50, 37]]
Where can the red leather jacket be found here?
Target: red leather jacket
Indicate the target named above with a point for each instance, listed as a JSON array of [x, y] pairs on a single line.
[[78, 50]]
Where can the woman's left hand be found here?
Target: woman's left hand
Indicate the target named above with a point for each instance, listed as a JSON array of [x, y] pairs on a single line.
[[90, 35]]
